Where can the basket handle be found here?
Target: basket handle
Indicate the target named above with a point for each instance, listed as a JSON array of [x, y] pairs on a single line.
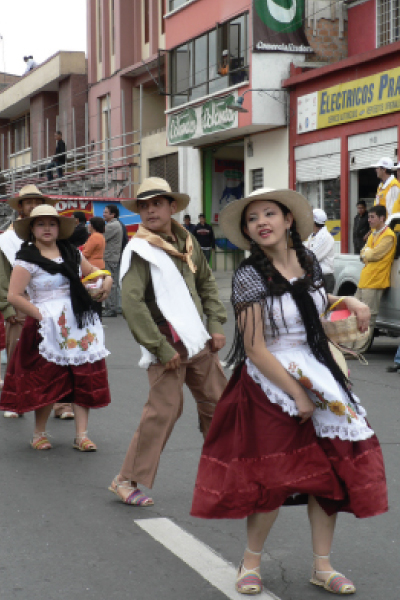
[[95, 274], [332, 306]]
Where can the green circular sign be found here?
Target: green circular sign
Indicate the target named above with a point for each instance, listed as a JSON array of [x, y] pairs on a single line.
[[283, 16]]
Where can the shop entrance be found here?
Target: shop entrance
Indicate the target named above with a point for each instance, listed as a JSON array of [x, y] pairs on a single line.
[[363, 186], [223, 168]]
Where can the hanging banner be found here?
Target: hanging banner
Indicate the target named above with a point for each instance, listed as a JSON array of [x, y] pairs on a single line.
[[278, 26], [227, 184]]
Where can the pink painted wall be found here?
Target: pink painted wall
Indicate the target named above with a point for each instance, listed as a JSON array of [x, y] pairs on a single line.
[[361, 28], [199, 17]]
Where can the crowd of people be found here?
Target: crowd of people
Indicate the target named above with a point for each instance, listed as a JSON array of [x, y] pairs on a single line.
[[286, 429]]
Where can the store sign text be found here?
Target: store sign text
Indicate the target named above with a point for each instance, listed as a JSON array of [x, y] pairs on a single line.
[[352, 101], [210, 117]]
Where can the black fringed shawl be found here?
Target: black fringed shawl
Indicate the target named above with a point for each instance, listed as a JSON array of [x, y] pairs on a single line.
[[84, 308], [249, 288]]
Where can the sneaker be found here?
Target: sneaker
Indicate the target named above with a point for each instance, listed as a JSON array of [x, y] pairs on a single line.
[[110, 313], [9, 414], [393, 368]]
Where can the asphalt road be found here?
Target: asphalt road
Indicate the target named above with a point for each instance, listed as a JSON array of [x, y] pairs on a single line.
[[64, 536]]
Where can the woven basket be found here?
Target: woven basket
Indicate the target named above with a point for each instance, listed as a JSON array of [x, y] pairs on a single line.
[[344, 332]]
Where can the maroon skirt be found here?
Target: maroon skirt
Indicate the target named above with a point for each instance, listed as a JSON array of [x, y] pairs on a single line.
[[32, 382], [257, 458], [2, 333]]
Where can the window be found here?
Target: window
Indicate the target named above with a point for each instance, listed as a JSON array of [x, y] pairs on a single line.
[[166, 167], [257, 179], [100, 30], [387, 21], [210, 63], [146, 8], [173, 4], [163, 10], [20, 134], [112, 27]]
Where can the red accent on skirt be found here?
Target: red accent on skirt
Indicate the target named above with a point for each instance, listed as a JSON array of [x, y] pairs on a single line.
[[2, 333], [257, 458], [32, 382]]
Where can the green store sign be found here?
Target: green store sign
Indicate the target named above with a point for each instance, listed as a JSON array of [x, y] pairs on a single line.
[[212, 116]]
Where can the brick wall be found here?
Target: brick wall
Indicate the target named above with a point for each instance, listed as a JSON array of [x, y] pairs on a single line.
[[328, 43]]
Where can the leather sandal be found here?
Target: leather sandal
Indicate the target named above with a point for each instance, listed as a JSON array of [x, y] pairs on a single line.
[[336, 583], [83, 443], [249, 581], [135, 498], [41, 442]]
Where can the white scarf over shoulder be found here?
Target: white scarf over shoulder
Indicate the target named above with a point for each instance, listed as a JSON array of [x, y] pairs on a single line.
[[172, 297], [10, 243]]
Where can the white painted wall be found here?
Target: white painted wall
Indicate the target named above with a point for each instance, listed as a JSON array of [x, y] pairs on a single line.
[[191, 180], [270, 153], [268, 71]]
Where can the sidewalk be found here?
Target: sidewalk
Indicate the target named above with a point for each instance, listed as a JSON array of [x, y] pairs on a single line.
[[224, 282]]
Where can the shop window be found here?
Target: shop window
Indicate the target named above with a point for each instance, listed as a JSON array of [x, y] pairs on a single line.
[[323, 194], [166, 167], [211, 62], [387, 21], [257, 179]]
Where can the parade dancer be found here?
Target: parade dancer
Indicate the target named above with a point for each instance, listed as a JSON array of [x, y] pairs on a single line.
[[287, 429], [61, 350], [26, 200], [167, 286]]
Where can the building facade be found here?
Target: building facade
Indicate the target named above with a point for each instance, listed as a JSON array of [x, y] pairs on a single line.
[[32, 107], [230, 52], [347, 117], [126, 79]]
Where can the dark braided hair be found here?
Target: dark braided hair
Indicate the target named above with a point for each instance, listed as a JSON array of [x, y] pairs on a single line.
[[275, 287]]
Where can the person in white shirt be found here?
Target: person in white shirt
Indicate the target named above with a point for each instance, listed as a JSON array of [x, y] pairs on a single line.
[[389, 188], [30, 64], [323, 245]]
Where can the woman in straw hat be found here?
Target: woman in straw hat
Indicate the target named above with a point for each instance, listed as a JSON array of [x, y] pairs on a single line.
[[61, 350], [287, 429]]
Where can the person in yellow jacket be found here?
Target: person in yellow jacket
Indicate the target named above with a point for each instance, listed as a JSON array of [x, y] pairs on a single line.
[[377, 256], [389, 188]]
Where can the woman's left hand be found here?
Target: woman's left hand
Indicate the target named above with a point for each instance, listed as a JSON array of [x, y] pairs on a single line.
[[361, 311], [105, 289]]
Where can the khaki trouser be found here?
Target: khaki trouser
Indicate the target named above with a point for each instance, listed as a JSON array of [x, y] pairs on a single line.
[[206, 380], [372, 298], [13, 333]]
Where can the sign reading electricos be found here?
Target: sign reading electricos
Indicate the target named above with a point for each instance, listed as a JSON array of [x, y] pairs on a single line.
[[351, 101], [212, 116]]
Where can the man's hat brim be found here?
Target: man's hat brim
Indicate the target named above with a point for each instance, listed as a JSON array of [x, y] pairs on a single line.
[[182, 200]]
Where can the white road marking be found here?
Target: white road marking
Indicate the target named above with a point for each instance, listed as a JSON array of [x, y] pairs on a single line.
[[200, 557]]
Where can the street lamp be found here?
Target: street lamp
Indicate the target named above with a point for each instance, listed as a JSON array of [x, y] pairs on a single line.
[[238, 105]]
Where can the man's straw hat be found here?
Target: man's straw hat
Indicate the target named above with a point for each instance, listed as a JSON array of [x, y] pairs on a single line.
[[153, 187], [22, 227], [230, 217], [30, 191]]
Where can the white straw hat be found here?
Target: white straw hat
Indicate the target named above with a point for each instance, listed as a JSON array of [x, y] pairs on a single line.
[[153, 187], [22, 227], [230, 217], [30, 191]]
